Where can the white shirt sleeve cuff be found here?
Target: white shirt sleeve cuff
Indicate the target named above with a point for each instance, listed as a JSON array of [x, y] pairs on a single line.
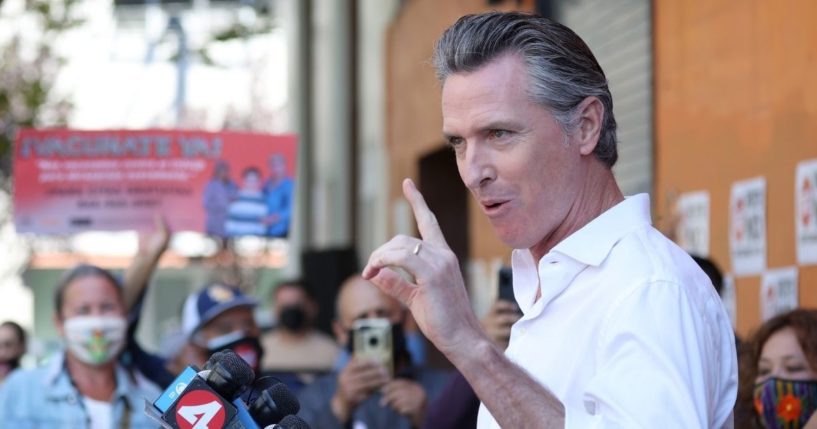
[[577, 418]]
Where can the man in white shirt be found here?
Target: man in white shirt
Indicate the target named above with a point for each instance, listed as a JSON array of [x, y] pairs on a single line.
[[620, 327]]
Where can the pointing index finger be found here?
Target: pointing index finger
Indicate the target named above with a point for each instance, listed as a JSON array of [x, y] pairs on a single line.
[[426, 221]]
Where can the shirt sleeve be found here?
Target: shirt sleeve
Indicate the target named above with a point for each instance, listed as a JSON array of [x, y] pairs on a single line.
[[661, 362], [14, 410]]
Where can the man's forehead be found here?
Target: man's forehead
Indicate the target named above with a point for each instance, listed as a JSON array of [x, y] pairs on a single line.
[[358, 309], [90, 288], [487, 91], [374, 310]]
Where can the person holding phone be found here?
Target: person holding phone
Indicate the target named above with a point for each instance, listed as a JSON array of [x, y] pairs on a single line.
[[371, 390]]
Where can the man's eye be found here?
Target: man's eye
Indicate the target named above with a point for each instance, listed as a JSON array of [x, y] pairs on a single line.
[[454, 141], [498, 134]]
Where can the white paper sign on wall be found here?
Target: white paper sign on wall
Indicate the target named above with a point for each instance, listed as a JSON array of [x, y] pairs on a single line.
[[747, 226], [778, 292], [693, 223], [805, 212]]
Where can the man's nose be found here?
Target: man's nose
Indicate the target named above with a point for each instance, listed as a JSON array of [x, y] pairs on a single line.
[[476, 167]]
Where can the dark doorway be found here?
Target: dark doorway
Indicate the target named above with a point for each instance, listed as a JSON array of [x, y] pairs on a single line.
[[447, 197]]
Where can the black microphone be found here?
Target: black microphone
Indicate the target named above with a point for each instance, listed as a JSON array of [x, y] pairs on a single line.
[[209, 398], [273, 404], [229, 374], [290, 422]]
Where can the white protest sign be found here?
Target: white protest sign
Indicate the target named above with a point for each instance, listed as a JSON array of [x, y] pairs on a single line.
[[778, 292], [693, 224], [747, 226], [805, 212]]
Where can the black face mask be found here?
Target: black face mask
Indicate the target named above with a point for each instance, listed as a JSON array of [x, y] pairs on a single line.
[[293, 318], [248, 348], [13, 364]]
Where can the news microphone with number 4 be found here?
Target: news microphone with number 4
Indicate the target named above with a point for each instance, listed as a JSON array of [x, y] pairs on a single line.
[[200, 399]]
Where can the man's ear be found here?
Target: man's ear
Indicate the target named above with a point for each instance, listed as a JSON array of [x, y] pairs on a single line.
[[341, 335], [591, 115]]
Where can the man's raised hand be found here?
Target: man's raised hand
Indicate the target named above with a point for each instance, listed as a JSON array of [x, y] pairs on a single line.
[[436, 293]]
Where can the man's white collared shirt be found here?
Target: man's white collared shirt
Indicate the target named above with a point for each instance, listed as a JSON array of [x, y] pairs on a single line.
[[628, 331]]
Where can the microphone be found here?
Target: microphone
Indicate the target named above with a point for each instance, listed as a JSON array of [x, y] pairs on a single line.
[[290, 422], [207, 399], [230, 375], [273, 405], [211, 398]]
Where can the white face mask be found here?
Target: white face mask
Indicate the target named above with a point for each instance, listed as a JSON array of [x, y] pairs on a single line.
[[95, 340]]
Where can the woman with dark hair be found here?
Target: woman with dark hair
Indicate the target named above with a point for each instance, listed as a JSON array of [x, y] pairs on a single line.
[[83, 387], [778, 374], [12, 348]]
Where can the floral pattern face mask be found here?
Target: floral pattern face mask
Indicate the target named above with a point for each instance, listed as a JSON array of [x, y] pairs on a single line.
[[785, 404]]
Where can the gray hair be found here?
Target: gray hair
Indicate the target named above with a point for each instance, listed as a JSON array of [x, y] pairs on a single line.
[[562, 70]]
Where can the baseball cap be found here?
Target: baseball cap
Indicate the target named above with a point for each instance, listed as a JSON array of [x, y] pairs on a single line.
[[209, 302]]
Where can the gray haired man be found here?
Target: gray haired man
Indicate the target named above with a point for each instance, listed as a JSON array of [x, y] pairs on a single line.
[[620, 327]]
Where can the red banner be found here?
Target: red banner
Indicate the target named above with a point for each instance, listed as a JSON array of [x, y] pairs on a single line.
[[224, 184]]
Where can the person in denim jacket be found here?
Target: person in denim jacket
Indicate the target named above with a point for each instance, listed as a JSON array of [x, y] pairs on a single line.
[[85, 386]]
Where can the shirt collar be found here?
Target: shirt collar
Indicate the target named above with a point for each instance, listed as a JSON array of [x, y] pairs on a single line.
[[57, 388], [592, 243]]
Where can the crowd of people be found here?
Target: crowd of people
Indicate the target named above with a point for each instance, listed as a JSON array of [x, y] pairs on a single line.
[[613, 325], [102, 376]]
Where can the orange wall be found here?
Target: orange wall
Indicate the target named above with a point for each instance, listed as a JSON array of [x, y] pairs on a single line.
[[735, 98], [414, 116]]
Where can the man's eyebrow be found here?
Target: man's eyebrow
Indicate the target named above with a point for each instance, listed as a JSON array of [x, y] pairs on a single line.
[[499, 125], [449, 136], [492, 125]]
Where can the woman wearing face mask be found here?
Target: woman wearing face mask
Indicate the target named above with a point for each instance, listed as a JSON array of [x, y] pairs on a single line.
[[778, 382], [84, 387]]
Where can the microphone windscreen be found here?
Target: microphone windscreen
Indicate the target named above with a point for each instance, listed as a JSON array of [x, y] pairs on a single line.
[[293, 422], [287, 402], [239, 368], [229, 374], [217, 356]]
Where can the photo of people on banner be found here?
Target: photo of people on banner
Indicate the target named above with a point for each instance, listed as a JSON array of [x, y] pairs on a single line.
[[224, 184], [254, 205]]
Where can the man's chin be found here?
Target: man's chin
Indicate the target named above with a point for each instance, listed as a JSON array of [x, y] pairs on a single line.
[[513, 238]]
